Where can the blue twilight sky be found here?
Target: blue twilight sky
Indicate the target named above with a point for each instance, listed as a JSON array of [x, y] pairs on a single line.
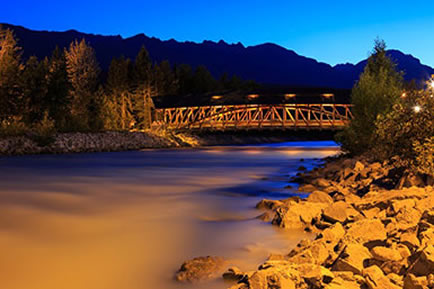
[[330, 31]]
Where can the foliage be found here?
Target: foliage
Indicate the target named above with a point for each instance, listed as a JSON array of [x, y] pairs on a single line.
[[58, 98], [10, 72], [425, 156], [12, 126], [377, 90], [118, 99], [43, 132], [83, 74], [34, 89], [406, 131]]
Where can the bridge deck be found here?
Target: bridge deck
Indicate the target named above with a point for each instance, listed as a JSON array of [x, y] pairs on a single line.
[[287, 116]]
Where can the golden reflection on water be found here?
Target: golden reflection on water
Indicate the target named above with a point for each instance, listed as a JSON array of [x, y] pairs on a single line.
[[131, 227]]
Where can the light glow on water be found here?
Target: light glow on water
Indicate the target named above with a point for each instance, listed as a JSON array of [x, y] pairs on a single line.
[[129, 219]]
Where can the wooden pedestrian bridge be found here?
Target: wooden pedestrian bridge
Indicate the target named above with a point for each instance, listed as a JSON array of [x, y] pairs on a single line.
[[256, 116]]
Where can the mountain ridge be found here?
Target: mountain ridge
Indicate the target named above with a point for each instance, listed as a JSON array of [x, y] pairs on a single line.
[[266, 63]]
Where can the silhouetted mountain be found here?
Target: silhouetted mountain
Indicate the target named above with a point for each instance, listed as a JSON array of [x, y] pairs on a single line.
[[265, 63]]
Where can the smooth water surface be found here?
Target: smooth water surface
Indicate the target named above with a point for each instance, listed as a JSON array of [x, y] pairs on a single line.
[[129, 219]]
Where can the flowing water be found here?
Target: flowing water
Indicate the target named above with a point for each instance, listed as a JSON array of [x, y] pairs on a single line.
[[129, 219]]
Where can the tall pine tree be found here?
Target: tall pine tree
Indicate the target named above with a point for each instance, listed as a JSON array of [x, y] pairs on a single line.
[[11, 102], [379, 87], [144, 88], [58, 98], [119, 98], [83, 74]]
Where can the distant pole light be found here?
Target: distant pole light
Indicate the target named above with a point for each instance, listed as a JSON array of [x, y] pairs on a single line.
[[417, 108]]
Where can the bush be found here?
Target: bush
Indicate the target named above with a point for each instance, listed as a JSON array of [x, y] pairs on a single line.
[[13, 126], [43, 133], [407, 132], [424, 156]]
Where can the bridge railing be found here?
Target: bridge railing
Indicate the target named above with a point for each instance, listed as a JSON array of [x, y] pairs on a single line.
[[246, 116]]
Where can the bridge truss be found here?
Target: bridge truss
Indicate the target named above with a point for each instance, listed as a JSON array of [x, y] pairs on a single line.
[[256, 116]]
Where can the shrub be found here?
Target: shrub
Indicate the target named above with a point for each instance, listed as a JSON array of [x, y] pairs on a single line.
[[424, 156], [43, 133], [13, 126], [407, 132]]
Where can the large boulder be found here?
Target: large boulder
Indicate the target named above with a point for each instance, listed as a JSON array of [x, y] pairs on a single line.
[[333, 234], [321, 182], [268, 204], [359, 166], [381, 253], [375, 279], [315, 276], [307, 188], [424, 263], [384, 199], [409, 239], [297, 215], [366, 230], [233, 274], [320, 197], [339, 212], [413, 282], [353, 259], [201, 269], [278, 275], [316, 252]]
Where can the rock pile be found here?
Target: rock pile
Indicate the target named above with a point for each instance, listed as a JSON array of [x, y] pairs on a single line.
[[95, 142], [368, 235]]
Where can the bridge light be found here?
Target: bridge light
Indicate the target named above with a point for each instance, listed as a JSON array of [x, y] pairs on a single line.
[[290, 95], [417, 108], [252, 96], [327, 95], [217, 97]]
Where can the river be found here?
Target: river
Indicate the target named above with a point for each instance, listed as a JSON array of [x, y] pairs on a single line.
[[129, 219]]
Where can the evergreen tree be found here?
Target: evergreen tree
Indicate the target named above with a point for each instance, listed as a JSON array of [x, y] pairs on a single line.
[[119, 99], [184, 76], [144, 89], [379, 87], [142, 72], [10, 70], [224, 81], [57, 97], [34, 89], [83, 74], [119, 75], [235, 83], [203, 80]]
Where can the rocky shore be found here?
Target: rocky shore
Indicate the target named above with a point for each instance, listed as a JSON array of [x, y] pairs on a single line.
[[95, 142], [374, 225], [125, 141]]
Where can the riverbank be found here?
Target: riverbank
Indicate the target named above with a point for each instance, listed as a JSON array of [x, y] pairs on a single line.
[[126, 141], [95, 142], [374, 226]]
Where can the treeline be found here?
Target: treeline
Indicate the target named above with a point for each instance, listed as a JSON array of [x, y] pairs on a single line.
[[68, 91]]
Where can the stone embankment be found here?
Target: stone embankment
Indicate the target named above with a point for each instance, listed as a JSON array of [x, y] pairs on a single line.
[[374, 228], [95, 142]]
